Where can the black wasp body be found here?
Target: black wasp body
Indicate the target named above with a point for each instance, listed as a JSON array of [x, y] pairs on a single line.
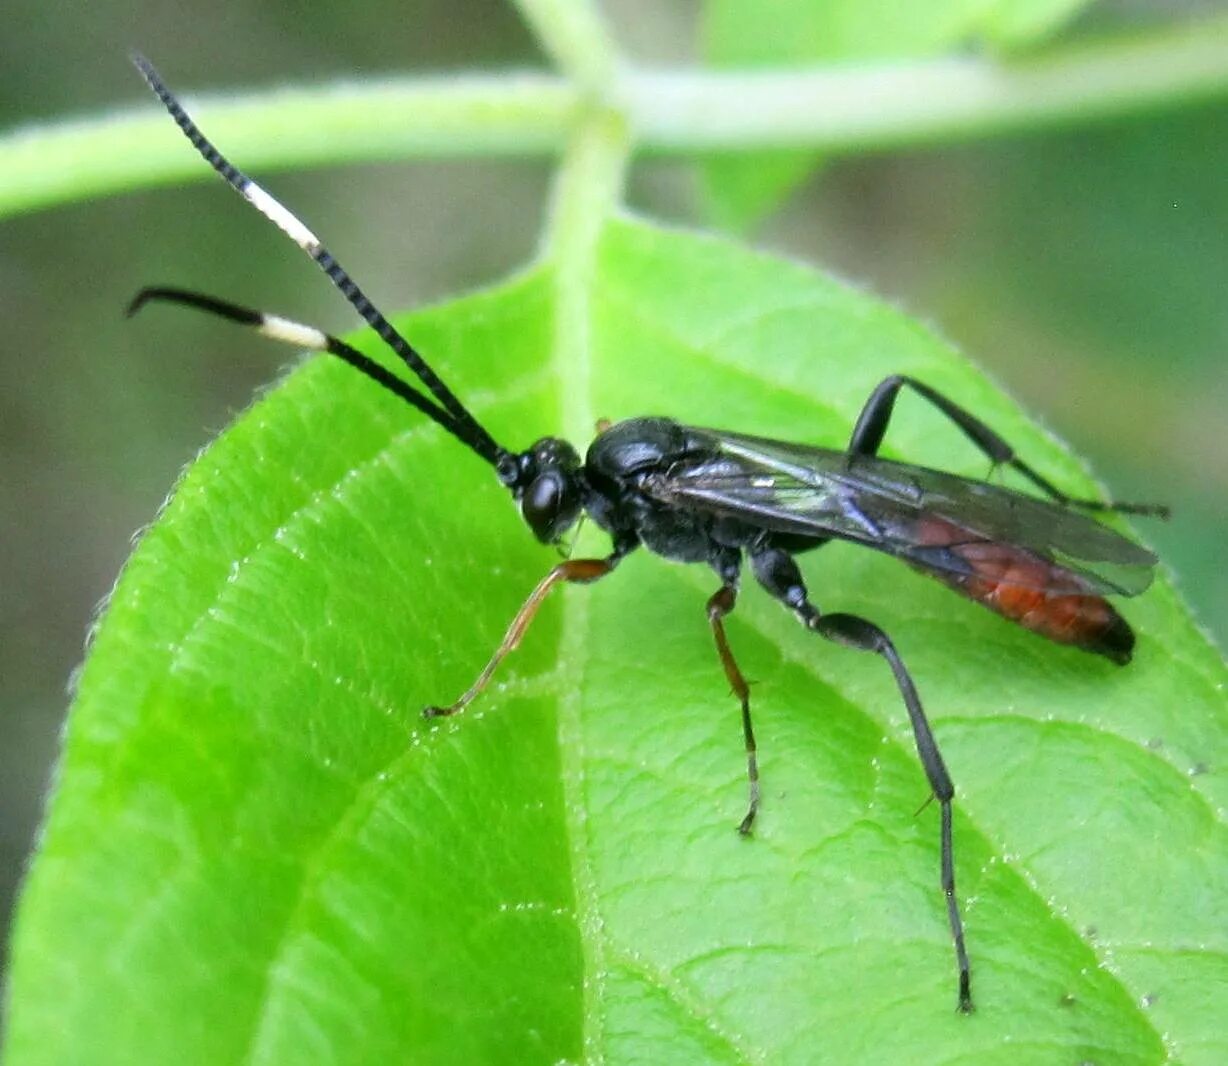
[[624, 473], [724, 499], [626, 478]]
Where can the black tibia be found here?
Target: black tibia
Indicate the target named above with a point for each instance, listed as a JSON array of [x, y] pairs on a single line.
[[727, 564], [778, 573], [575, 571], [872, 423]]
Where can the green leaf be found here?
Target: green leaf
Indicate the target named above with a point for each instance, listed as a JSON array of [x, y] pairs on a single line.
[[257, 850], [740, 189]]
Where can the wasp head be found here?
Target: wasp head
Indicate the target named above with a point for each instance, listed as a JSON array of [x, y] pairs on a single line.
[[548, 482]]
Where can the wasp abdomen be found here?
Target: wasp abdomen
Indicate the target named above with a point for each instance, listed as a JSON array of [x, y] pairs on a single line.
[[1040, 595], [1045, 598]]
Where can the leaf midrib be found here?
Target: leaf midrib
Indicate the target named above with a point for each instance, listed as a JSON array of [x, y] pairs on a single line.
[[589, 185]]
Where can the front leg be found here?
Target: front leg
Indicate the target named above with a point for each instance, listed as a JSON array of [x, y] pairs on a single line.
[[727, 564], [573, 571]]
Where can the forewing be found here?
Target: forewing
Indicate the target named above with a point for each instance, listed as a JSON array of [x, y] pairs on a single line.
[[925, 516]]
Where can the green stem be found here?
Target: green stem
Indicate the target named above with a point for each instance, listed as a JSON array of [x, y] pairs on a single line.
[[889, 105], [588, 189], [575, 36], [872, 106], [510, 114]]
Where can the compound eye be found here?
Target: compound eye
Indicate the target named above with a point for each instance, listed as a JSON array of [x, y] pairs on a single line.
[[540, 506]]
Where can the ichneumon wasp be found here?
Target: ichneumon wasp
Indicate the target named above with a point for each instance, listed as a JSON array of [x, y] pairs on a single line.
[[709, 496]]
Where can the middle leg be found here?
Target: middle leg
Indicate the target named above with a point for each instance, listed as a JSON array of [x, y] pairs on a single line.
[[728, 565]]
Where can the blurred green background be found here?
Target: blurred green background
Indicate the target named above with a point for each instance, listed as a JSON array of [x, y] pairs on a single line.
[[1086, 268]]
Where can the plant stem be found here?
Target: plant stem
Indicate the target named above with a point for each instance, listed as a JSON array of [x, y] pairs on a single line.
[[889, 105], [867, 107], [588, 188], [514, 113], [574, 35]]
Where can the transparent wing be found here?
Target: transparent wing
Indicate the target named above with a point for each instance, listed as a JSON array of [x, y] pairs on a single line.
[[932, 519]]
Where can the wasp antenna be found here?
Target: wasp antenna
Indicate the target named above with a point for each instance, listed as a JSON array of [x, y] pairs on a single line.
[[303, 336], [464, 425]]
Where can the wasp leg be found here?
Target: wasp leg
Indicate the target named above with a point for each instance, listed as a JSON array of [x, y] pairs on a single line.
[[720, 604], [574, 571], [778, 573], [871, 427]]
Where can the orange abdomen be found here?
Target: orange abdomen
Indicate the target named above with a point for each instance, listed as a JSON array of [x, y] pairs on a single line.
[[1038, 594]]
